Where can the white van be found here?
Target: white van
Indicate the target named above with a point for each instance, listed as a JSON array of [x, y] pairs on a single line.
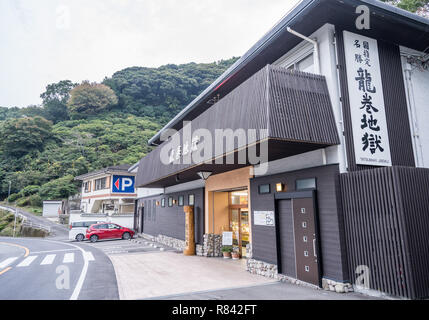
[[78, 229]]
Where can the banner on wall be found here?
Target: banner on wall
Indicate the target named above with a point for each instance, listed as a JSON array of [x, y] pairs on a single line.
[[369, 125]]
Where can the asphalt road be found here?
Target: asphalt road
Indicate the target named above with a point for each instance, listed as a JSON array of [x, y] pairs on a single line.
[[58, 232], [44, 269]]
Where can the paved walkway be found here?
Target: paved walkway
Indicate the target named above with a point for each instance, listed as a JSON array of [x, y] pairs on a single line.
[[171, 275], [151, 275]]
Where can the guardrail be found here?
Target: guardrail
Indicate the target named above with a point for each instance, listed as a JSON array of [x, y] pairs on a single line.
[[30, 224]]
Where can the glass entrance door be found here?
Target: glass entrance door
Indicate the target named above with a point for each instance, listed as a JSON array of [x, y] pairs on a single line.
[[239, 220]]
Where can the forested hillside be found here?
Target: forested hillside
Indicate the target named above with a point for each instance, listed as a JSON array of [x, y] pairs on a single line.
[[84, 127]]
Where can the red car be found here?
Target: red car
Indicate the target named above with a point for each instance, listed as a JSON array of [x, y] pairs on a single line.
[[108, 231]]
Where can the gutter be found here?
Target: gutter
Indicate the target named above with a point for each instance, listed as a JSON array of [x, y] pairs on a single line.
[[315, 45]]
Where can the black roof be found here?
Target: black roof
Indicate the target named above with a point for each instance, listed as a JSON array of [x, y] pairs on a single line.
[[388, 23], [118, 168]]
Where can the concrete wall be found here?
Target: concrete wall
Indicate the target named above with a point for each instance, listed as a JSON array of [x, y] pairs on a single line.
[[50, 208], [417, 90], [124, 221]]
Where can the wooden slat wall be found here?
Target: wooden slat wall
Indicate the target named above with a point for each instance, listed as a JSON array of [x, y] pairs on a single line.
[[170, 221], [386, 214], [274, 98]]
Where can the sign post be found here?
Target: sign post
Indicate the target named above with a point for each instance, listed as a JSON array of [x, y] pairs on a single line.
[[189, 231]]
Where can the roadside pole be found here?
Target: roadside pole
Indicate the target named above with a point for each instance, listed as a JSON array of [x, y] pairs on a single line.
[[14, 224]]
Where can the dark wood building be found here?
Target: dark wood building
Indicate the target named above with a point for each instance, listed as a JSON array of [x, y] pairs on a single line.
[[311, 150]]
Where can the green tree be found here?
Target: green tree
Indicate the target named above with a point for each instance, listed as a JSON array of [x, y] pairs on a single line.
[[90, 99], [410, 5], [55, 100], [57, 189], [20, 136]]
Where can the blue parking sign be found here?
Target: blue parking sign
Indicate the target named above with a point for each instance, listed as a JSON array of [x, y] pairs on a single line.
[[123, 184]]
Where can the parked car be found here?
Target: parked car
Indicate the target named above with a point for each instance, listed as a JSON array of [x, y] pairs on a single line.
[[78, 229], [108, 231]]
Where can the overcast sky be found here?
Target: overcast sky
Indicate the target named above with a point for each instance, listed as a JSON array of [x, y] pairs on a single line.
[[46, 41]]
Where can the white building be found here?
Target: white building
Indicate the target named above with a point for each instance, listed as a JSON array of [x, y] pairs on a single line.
[[108, 195]]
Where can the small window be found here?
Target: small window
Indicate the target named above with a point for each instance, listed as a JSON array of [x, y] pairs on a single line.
[[305, 239], [163, 202], [304, 224], [191, 200], [264, 189], [170, 201], [100, 184], [305, 184], [181, 201]]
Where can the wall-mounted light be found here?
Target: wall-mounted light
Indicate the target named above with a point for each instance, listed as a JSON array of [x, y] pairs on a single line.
[[204, 174], [157, 203], [174, 201], [280, 187]]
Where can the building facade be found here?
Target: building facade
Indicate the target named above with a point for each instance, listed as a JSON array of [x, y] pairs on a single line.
[[108, 195], [311, 150]]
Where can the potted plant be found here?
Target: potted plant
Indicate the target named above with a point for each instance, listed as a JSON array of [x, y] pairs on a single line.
[[226, 250], [235, 255]]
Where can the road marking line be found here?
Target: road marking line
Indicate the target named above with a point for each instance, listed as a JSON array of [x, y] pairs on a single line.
[[27, 261], [48, 259], [88, 256], [5, 270], [68, 258], [7, 262], [80, 281], [48, 251], [27, 252]]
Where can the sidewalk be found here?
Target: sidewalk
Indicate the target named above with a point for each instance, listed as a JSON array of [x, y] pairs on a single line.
[[171, 275], [150, 275]]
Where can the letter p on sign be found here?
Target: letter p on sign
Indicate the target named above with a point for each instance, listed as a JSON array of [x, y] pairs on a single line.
[[123, 184]]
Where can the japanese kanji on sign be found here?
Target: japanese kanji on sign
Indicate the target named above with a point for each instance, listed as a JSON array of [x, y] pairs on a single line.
[[369, 125]]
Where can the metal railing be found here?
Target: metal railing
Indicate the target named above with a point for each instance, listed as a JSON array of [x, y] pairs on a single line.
[[33, 225]]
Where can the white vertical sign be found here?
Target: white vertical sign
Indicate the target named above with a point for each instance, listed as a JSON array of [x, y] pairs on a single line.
[[369, 125]]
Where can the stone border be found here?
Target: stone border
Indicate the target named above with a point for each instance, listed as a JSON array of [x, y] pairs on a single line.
[[270, 270], [167, 241], [211, 247]]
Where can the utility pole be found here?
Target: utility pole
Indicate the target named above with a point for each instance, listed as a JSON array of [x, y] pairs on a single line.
[[14, 224], [8, 194]]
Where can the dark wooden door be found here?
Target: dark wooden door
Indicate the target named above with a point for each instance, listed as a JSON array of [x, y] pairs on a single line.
[[307, 268], [297, 239]]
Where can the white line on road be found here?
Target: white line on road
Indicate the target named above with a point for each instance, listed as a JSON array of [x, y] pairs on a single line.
[[48, 259], [80, 281], [68, 258], [48, 251], [88, 256], [27, 261], [7, 262]]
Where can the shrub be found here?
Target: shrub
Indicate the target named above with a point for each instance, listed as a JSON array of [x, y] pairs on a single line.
[[13, 197], [35, 200], [23, 202], [29, 190]]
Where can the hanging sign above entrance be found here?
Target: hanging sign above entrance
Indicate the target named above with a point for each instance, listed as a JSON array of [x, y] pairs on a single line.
[[369, 125], [263, 218]]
